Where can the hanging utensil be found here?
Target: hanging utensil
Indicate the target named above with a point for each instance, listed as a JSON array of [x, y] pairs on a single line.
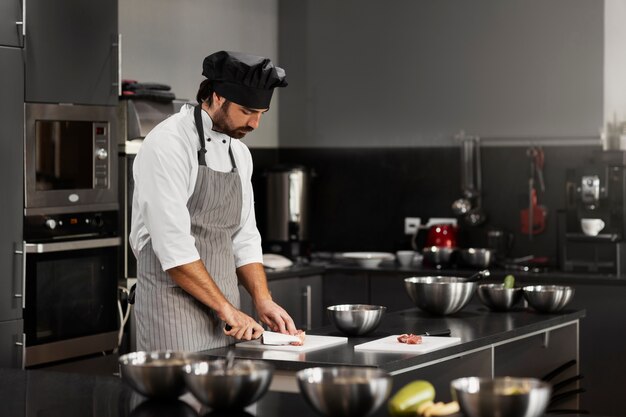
[[533, 218]]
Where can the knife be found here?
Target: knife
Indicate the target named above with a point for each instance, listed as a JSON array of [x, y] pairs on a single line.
[[444, 332], [274, 338]]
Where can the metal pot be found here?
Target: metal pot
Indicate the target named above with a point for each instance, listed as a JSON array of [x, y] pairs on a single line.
[[477, 257], [438, 255]]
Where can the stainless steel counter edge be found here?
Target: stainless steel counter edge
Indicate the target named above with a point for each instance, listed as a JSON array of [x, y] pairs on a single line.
[[344, 355]]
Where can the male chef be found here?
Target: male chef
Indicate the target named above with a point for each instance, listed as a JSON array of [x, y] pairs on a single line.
[[193, 225]]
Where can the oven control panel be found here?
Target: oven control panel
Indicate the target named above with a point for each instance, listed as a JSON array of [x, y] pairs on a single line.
[[101, 155], [70, 225]]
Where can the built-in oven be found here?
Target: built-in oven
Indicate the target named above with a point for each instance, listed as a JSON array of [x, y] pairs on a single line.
[[70, 280], [70, 162]]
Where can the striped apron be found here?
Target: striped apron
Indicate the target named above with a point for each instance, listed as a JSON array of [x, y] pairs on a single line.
[[167, 316]]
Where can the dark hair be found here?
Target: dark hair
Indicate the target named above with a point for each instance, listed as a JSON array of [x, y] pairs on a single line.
[[205, 92]]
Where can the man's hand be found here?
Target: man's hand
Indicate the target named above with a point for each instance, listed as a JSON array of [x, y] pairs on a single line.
[[242, 326], [275, 317]]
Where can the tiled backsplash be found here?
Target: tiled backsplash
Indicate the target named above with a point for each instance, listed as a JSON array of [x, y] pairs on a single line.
[[360, 196]]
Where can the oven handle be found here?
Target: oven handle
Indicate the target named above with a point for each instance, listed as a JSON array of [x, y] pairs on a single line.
[[73, 245], [21, 293]]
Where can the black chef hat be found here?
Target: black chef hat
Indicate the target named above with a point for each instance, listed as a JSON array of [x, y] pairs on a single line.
[[247, 80]]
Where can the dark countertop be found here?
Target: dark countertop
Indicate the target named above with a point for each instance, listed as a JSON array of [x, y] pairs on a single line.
[[475, 325], [295, 271], [39, 392], [531, 276], [45, 393]]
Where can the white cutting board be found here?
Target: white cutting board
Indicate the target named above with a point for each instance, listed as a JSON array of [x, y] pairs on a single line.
[[311, 342], [391, 344]]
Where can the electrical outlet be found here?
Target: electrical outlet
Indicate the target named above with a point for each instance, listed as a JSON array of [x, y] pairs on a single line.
[[411, 225]]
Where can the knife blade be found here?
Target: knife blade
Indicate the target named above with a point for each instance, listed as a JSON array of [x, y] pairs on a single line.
[[273, 338], [443, 332]]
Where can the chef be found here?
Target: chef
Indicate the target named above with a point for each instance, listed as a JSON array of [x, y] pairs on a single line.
[[193, 225]]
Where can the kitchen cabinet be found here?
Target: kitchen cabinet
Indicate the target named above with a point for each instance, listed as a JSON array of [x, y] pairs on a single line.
[[345, 287], [387, 289], [71, 52], [11, 23], [11, 181], [11, 348], [301, 297]]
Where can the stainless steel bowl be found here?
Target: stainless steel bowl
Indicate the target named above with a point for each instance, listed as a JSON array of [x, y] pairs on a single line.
[[498, 298], [157, 374], [440, 295], [438, 255], [502, 396], [344, 391], [477, 257], [222, 388], [355, 319], [548, 298]]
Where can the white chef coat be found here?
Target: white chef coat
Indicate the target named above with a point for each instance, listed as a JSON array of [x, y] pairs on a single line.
[[165, 171]]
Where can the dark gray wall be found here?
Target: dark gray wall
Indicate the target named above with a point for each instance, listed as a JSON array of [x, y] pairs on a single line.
[[368, 73]]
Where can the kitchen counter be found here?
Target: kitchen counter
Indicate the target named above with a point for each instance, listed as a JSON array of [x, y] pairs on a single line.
[[297, 270], [477, 327], [516, 343], [542, 276], [485, 340]]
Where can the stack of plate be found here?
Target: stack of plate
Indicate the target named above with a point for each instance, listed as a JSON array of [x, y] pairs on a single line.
[[368, 259]]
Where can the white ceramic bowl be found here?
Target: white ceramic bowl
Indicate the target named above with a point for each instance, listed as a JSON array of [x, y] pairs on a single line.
[[405, 257], [368, 259]]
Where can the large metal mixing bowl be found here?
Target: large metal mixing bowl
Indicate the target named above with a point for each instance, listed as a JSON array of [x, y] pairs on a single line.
[[548, 298], [501, 396], [440, 295], [477, 257], [355, 319], [498, 298], [157, 374], [228, 388], [344, 391]]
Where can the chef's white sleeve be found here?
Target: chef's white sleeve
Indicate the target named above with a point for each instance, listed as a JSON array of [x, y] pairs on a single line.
[[163, 170]]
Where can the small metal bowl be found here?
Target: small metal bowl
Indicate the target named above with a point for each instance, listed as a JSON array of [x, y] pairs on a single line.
[[438, 255], [344, 391], [440, 295], [498, 298], [501, 396], [222, 388], [477, 257], [157, 374], [355, 319], [548, 298]]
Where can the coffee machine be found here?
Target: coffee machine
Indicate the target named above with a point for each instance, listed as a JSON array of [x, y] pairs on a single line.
[[287, 212], [592, 228]]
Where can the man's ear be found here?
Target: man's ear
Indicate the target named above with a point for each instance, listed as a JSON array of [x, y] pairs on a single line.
[[217, 99]]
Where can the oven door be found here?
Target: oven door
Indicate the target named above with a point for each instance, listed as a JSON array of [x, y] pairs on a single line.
[[69, 160], [71, 299]]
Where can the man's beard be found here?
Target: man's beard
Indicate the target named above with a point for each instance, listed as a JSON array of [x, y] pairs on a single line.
[[222, 123]]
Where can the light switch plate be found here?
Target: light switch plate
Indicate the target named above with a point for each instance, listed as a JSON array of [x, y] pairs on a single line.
[[411, 225]]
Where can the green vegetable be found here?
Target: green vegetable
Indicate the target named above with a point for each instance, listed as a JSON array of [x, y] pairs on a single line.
[[406, 401], [509, 281]]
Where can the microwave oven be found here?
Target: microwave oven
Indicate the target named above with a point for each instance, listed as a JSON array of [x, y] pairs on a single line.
[[70, 162]]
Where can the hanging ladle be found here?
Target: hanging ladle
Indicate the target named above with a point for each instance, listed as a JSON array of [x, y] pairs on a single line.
[[478, 276]]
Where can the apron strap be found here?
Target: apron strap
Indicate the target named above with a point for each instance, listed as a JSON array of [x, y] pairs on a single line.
[[197, 115], [232, 157]]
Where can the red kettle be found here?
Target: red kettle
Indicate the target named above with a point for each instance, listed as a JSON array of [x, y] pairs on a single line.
[[442, 235]]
